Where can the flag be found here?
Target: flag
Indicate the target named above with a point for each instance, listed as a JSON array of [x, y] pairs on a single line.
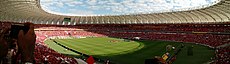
[[90, 60]]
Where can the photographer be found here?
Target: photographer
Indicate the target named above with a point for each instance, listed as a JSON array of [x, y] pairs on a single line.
[[25, 42], [3, 46]]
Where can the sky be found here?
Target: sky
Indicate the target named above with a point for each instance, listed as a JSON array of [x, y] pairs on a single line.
[[116, 7]]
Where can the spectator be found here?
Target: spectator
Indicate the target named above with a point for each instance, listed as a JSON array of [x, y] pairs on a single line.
[[3, 46], [26, 43]]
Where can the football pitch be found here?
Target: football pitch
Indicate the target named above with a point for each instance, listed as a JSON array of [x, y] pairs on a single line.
[[121, 51]]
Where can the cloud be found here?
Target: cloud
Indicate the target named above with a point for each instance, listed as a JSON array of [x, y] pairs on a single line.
[[60, 4], [80, 12], [74, 3], [92, 2], [118, 6]]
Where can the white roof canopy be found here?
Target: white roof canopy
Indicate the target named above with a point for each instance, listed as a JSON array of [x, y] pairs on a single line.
[[30, 11]]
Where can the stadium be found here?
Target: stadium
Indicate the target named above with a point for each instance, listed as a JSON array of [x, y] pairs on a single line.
[[194, 35]]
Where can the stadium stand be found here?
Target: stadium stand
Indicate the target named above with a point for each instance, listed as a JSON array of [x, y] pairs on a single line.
[[208, 38], [207, 26], [44, 54], [222, 56]]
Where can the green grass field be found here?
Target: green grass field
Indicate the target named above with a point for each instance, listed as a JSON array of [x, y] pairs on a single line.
[[133, 52]]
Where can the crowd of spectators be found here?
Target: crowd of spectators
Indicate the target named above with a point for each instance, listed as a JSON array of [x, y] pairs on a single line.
[[164, 27], [42, 35], [41, 54], [46, 55], [125, 31], [222, 56], [145, 32]]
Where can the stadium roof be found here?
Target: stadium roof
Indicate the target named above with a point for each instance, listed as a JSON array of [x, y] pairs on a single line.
[[31, 11]]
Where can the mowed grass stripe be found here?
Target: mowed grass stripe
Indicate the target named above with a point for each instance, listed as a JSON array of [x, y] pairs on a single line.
[[105, 48], [79, 47], [58, 48], [147, 50], [101, 48], [128, 46], [95, 43], [154, 49], [121, 45], [110, 45], [103, 41], [150, 50], [91, 48]]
